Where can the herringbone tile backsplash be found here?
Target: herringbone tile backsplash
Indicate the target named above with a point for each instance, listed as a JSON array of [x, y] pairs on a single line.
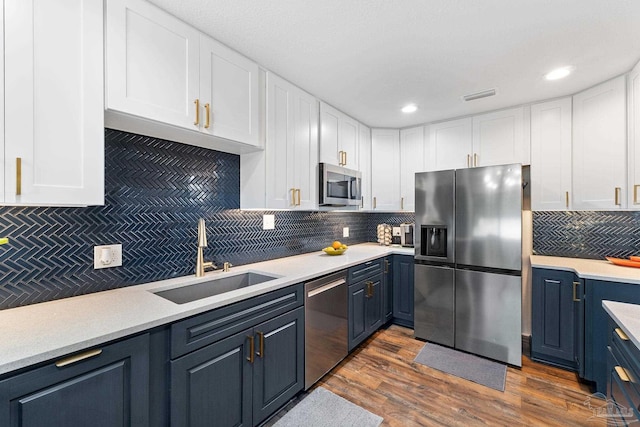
[[591, 235], [155, 191]]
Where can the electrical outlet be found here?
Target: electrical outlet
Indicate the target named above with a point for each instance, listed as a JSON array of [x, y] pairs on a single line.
[[106, 256], [268, 222], [345, 231]]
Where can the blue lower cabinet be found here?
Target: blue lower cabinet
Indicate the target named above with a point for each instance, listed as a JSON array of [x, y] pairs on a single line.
[[103, 387], [596, 330], [556, 309], [623, 370], [243, 379], [387, 289], [365, 309], [403, 284]]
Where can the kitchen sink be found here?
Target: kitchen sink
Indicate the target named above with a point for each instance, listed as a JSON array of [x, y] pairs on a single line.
[[190, 293]]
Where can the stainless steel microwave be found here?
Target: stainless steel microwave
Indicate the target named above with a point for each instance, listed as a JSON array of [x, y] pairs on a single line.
[[339, 186]]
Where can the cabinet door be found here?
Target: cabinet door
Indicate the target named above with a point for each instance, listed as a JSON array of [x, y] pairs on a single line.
[[498, 138], [411, 161], [279, 363], [553, 313], [348, 141], [229, 85], [329, 129], [107, 388], [599, 147], [305, 149], [213, 386], [633, 99], [387, 290], [152, 63], [54, 116], [374, 304], [385, 169], [450, 145], [357, 314], [551, 155], [364, 157], [403, 280]]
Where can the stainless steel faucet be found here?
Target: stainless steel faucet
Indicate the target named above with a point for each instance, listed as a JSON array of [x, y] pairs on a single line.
[[202, 243]]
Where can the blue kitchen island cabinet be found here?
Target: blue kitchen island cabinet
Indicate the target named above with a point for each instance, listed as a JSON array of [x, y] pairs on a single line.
[[101, 387], [597, 325], [403, 283], [237, 365], [365, 295], [558, 316]]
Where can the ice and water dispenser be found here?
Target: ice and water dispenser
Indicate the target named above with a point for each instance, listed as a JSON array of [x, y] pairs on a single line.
[[433, 240]]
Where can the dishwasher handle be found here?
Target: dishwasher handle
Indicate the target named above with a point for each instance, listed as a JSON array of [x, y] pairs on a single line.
[[326, 287]]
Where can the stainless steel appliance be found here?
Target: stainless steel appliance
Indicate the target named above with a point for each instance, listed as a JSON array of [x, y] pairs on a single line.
[[468, 240], [339, 186], [326, 333], [406, 235]]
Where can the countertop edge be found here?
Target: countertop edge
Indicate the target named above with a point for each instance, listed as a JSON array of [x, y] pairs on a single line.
[[588, 268], [25, 353], [627, 317]]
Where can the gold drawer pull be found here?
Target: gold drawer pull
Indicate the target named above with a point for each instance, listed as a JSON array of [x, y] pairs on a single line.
[[566, 198], [468, 160], [299, 197], [77, 358], [197, 102], [252, 348], [207, 117], [617, 202], [635, 194], [374, 203], [475, 160], [575, 297], [622, 374], [386, 266], [261, 344], [621, 334], [18, 176], [293, 197], [401, 203]]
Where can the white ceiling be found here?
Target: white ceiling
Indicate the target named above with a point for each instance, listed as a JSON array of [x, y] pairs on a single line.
[[368, 58]]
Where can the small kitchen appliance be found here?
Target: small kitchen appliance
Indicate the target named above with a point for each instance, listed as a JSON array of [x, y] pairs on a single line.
[[406, 235]]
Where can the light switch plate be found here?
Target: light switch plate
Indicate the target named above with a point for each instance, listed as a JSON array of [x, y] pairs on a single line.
[[268, 222], [345, 231], [106, 256]]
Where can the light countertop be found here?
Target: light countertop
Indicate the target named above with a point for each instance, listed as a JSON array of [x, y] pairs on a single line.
[[49, 330], [627, 316], [588, 268]]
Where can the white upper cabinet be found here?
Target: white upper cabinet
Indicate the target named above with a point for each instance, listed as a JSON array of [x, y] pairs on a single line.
[[53, 102], [385, 167], [152, 63], [599, 147], [228, 93], [364, 160], [449, 145], [285, 174], [633, 99], [338, 138], [411, 161], [499, 138], [551, 155], [162, 69]]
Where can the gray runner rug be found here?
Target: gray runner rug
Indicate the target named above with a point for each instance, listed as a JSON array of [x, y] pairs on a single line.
[[322, 408], [464, 365]]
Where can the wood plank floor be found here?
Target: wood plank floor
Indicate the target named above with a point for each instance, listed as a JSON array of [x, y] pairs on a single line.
[[381, 377]]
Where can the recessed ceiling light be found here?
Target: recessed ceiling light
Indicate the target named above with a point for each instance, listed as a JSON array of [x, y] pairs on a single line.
[[559, 73], [411, 108]]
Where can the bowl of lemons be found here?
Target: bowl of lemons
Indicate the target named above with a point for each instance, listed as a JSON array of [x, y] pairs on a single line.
[[336, 248]]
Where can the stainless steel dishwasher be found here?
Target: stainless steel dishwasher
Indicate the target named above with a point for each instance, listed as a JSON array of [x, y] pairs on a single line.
[[326, 333]]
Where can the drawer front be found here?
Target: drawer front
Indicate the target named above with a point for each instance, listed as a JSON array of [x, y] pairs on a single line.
[[365, 270], [624, 385], [625, 346], [204, 329]]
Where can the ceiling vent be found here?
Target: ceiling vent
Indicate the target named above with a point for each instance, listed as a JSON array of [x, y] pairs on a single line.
[[478, 95]]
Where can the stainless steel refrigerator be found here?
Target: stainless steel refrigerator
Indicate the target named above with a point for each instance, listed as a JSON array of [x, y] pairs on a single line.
[[468, 253]]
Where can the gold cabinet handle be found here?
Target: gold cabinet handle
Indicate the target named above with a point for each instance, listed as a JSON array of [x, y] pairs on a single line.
[[622, 374], [197, 102], [566, 199], [293, 196], [299, 197], [374, 203], [468, 160], [18, 176], [362, 202], [207, 116], [635, 194], [386, 266], [77, 358], [252, 348], [401, 203], [621, 334], [617, 202], [575, 296], [475, 160], [260, 344], [345, 158]]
